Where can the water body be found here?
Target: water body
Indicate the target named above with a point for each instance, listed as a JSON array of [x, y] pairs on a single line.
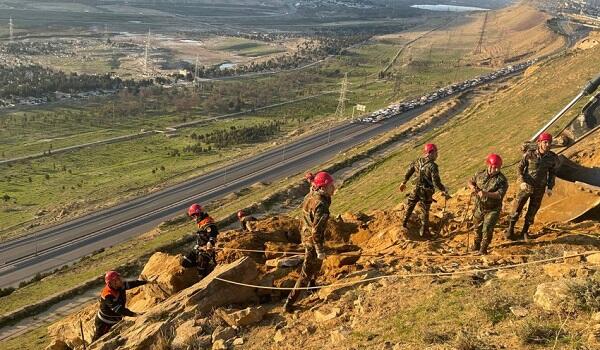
[[449, 8]]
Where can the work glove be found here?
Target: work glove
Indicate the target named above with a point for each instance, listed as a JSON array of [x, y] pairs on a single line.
[[209, 246], [402, 187], [548, 192]]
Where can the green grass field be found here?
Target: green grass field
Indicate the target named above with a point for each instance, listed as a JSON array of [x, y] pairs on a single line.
[[105, 175], [499, 124]]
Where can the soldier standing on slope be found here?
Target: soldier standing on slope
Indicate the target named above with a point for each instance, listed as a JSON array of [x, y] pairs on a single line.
[[315, 214], [536, 174], [490, 186], [426, 180]]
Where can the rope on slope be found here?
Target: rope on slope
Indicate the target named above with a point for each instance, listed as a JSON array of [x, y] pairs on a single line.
[[437, 274]]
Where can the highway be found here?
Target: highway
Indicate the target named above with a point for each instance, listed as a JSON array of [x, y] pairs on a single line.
[[47, 249]]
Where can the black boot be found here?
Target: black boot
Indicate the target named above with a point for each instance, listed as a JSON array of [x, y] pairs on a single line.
[[288, 306], [483, 248], [524, 232], [510, 233]]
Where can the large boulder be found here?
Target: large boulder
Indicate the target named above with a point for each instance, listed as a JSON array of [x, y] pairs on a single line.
[[169, 276], [153, 326], [551, 296], [67, 331]]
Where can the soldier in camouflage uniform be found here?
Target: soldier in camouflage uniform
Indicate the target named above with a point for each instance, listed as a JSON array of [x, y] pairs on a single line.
[[426, 180], [490, 186], [537, 174], [315, 214]]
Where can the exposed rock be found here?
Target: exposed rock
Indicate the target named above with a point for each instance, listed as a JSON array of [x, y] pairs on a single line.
[[67, 330], [559, 270], [219, 345], [335, 261], [509, 275], [169, 276], [185, 335], [202, 297], [238, 341], [243, 317], [280, 335], [322, 316], [550, 296], [593, 259], [57, 345], [223, 333]]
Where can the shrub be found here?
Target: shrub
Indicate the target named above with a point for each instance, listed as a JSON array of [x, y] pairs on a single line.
[[587, 294]]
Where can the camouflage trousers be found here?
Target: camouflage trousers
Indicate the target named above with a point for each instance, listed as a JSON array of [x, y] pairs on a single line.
[[535, 201], [484, 222], [425, 198], [310, 267]]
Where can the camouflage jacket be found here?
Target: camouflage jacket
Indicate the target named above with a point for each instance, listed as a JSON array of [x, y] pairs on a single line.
[[427, 174], [315, 213], [496, 183], [537, 169]]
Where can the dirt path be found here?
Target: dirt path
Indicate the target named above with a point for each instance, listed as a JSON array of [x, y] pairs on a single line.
[[54, 313]]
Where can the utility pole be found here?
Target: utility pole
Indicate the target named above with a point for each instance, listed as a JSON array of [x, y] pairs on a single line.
[[146, 54], [10, 29]]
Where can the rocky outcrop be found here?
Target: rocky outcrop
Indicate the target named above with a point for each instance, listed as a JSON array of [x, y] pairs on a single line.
[[157, 324]]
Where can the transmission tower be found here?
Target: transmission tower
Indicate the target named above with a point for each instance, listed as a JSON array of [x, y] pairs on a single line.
[[481, 35], [10, 29], [339, 112], [196, 73], [146, 54]]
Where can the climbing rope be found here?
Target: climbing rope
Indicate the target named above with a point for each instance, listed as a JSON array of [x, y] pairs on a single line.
[[368, 255], [415, 275]]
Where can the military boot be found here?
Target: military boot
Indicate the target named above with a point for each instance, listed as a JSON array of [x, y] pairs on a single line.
[[476, 245], [524, 232], [288, 306], [484, 246], [510, 233]]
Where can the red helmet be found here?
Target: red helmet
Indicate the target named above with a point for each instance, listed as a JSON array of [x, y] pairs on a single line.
[[241, 214], [494, 160], [195, 209], [545, 137], [111, 276], [322, 179], [430, 148]]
